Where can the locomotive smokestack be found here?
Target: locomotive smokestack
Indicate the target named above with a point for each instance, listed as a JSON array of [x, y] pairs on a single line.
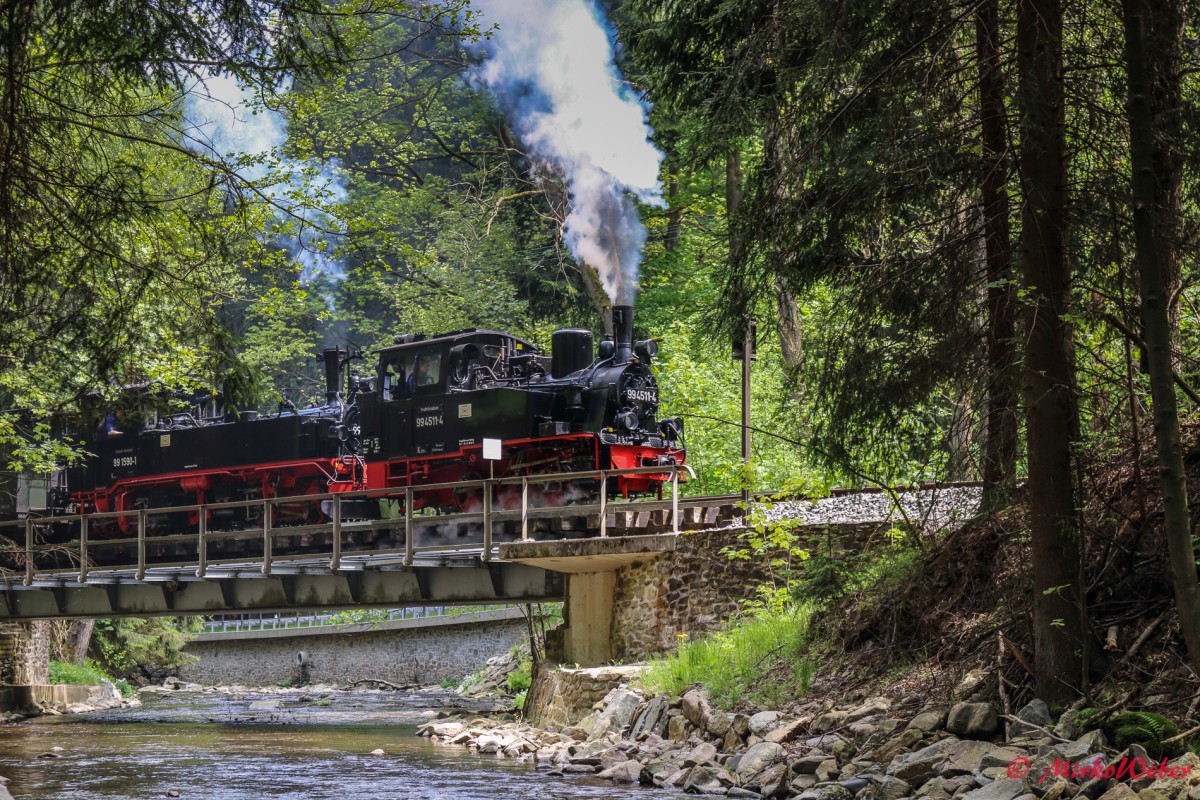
[[333, 373], [623, 333]]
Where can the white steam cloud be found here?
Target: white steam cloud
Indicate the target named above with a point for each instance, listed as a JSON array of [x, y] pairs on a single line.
[[550, 66], [227, 120]]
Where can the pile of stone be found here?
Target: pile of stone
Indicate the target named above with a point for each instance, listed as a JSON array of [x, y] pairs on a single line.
[[874, 751]]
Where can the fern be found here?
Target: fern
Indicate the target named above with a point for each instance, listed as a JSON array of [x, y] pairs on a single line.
[[1133, 727]]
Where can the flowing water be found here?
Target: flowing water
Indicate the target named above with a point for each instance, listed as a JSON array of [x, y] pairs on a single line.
[[212, 746]]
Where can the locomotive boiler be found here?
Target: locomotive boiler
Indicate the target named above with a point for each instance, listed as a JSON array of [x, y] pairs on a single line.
[[419, 417]]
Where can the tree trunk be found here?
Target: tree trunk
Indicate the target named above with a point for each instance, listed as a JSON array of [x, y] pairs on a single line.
[[1001, 428], [675, 214], [1151, 47], [791, 339], [1051, 413]]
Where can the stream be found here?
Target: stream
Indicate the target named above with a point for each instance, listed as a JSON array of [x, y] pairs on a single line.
[[212, 746]]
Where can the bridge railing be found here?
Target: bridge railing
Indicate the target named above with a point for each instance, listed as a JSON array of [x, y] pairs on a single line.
[[295, 620], [83, 553]]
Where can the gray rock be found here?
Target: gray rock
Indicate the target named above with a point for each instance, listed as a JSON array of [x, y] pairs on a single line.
[[1119, 791], [972, 720], [701, 754], [828, 792], [737, 791], [701, 781], [720, 723], [1006, 789], [928, 721], [756, 760], [678, 729], [917, 768], [741, 725], [827, 771], [803, 782], [732, 741], [763, 723], [968, 757], [696, 707], [807, 765], [871, 708], [265, 705], [786, 732], [1093, 788], [901, 744], [855, 785], [624, 772], [652, 719], [617, 713], [830, 720], [1171, 787], [1036, 712], [890, 788], [774, 781]]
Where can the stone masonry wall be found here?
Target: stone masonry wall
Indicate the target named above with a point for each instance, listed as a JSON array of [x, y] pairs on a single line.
[[424, 654], [695, 589], [25, 652]]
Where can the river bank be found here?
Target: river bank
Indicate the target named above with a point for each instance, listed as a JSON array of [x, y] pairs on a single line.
[[879, 749]]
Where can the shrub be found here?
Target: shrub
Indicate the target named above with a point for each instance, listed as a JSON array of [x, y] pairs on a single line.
[[520, 679], [449, 683]]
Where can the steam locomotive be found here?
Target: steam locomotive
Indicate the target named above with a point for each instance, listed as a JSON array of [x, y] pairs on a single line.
[[419, 420]]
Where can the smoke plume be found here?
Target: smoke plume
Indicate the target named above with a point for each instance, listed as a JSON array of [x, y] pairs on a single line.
[[550, 66], [228, 121]]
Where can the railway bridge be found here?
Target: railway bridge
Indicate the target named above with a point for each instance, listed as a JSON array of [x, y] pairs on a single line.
[[508, 548]]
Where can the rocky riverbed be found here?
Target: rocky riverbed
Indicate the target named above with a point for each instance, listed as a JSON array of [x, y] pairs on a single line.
[[880, 749]]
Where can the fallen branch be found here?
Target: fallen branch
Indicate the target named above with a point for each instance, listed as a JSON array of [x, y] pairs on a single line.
[[1037, 728]]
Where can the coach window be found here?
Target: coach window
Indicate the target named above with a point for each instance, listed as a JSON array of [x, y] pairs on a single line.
[[429, 369]]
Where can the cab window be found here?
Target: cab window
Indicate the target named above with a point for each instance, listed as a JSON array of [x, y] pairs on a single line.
[[429, 369]]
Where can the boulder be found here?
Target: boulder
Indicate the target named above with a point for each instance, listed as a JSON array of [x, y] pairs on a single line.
[[696, 707], [828, 792], [625, 772], [890, 788], [901, 744], [972, 720], [700, 780], [763, 723], [617, 712], [1036, 712], [678, 729], [1119, 791], [807, 765], [756, 760], [720, 723], [786, 732], [652, 719], [701, 754], [918, 767], [928, 721], [830, 720], [827, 771], [774, 781], [871, 708], [1006, 789], [1188, 765]]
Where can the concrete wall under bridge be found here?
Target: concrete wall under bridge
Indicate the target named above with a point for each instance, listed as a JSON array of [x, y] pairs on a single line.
[[425, 650]]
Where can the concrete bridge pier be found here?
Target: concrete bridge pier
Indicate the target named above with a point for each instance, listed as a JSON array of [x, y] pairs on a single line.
[[588, 614], [591, 568]]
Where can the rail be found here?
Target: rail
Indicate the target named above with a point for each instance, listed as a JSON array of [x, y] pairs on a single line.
[[295, 620], [82, 552]]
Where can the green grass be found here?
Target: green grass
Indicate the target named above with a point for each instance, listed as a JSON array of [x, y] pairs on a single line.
[[733, 663], [76, 674]]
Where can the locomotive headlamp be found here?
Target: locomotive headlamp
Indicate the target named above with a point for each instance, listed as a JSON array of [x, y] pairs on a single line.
[[646, 349], [629, 419]]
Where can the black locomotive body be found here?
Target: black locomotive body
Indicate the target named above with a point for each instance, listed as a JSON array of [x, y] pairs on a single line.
[[420, 419]]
